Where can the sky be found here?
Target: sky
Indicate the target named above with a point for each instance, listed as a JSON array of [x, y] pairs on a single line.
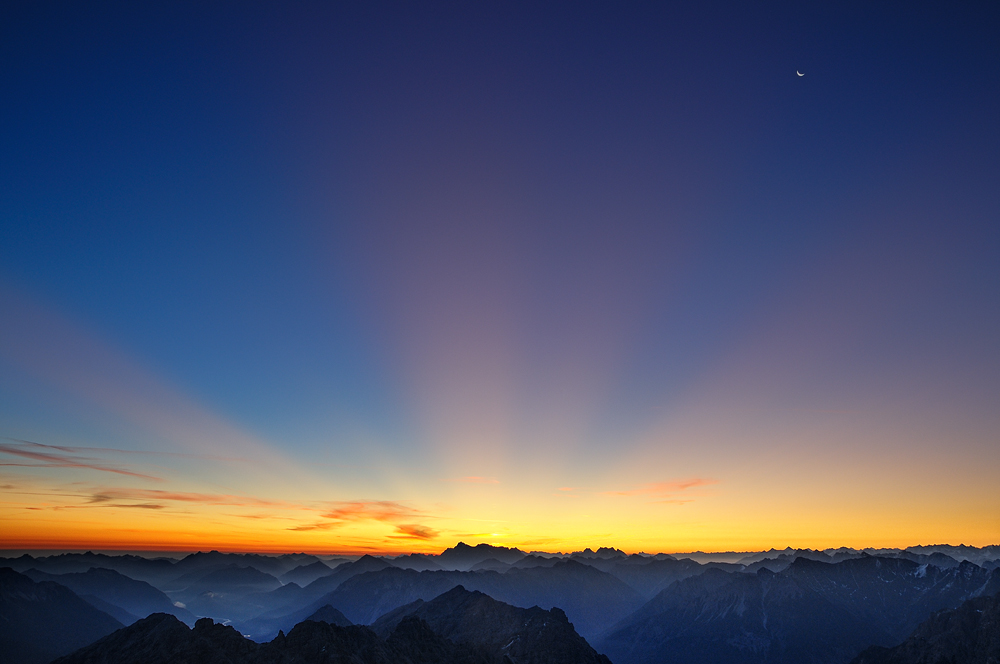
[[373, 277]]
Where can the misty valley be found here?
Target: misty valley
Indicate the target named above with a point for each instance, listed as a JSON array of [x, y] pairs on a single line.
[[494, 604]]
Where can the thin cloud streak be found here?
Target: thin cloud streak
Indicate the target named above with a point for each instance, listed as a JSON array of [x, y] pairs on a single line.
[[55, 349], [371, 510], [385, 511], [105, 495], [47, 459], [415, 531], [72, 449]]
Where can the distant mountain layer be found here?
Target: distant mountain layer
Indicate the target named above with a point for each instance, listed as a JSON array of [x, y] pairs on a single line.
[[303, 575], [116, 591], [810, 612], [592, 599], [40, 621], [642, 606], [458, 627], [969, 634]]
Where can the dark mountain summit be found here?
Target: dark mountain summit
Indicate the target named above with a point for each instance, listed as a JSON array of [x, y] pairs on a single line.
[[458, 627], [462, 557], [328, 614], [162, 639], [523, 635], [39, 621]]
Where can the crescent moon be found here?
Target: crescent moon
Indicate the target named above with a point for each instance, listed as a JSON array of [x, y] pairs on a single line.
[[799, 73]]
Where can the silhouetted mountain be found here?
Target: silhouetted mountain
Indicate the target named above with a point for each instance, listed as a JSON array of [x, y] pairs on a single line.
[[969, 634], [482, 631], [39, 621], [233, 578], [810, 612], [415, 638], [603, 553], [788, 554], [272, 565], [650, 577], [263, 615], [303, 575], [325, 584], [462, 557], [592, 599], [534, 561], [491, 564], [162, 639], [330, 615], [936, 558], [523, 635], [961, 552], [136, 598], [151, 570]]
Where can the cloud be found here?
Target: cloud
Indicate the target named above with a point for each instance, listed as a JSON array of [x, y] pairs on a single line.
[[415, 531], [385, 511], [371, 510], [107, 494], [73, 449], [474, 479], [656, 489], [52, 348], [50, 456], [314, 526]]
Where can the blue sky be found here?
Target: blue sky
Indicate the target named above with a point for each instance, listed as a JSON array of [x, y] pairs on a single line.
[[613, 244]]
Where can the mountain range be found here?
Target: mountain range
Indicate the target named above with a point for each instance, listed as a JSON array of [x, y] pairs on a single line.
[[458, 626], [969, 634], [774, 606], [810, 612]]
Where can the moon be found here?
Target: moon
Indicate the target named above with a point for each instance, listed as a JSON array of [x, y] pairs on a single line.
[[799, 73]]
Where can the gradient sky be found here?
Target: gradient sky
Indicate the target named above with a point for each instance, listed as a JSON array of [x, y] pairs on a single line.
[[386, 277]]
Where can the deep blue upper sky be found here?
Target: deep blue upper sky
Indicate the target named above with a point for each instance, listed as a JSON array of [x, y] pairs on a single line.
[[555, 224]]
